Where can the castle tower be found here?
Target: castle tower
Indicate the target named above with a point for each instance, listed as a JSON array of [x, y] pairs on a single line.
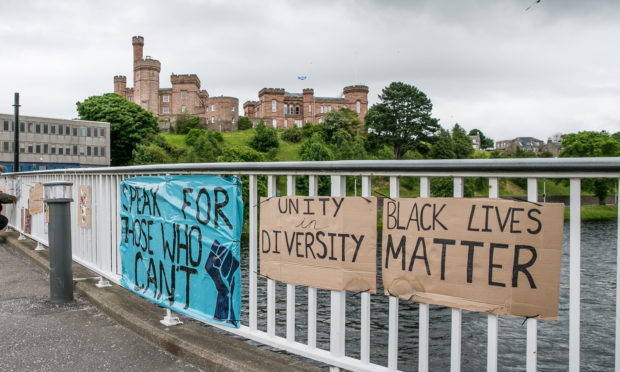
[[138, 46], [120, 85], [356, 98], [145, 78]]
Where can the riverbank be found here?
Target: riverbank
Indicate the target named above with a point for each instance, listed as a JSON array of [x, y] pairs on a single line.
[[595, 212]]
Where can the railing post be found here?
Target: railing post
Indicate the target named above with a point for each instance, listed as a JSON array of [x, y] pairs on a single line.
[[532, 324], [492, 320], [365, 302], [271, 284], [574, 332], [338, 298], [393, 302], [457, 314], [290, 288], [425, 191], [253, 265], [313, 190]]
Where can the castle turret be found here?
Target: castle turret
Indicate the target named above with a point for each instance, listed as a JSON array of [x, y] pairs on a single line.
[[138, 46], [356, 98], [120, 85]]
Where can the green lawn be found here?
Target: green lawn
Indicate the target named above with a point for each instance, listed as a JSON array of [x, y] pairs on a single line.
[[595, 212]]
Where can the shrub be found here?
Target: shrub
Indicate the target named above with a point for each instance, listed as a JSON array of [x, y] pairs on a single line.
[[293, 135], [186, 122], [264, 138], [244, 123]]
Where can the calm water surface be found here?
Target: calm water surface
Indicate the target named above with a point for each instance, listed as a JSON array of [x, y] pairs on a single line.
[[598, 268]]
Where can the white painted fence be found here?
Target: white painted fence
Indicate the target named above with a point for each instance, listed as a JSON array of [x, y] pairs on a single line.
[[97, 248]]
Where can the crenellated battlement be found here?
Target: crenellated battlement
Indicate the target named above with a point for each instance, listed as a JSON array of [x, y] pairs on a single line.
[[185, 79]]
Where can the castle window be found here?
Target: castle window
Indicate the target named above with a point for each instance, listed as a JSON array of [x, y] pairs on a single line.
[[358, 106], [183, 94], [94, 132], [309, 108], [45, 128], [183, 108], [88, 132], [212, 119], [233, 120], [52, 129], [38, 128], [102, 132], [145, 106], [67, 130], [285, 123], [297, 110], [166, 110], [233, 109], [285, 112], [130, 98], [213, 108], [274, 122], [75, 131], [273, 105], [298, 123], [166, 98], [321, 109]]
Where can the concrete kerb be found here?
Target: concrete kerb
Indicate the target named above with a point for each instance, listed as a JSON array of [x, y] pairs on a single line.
[[190, 341]]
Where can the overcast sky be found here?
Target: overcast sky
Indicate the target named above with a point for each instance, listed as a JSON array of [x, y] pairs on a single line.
[[486, 64]]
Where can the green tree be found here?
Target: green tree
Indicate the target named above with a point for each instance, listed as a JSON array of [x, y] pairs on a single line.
[[343, 119], [443, 146], [244, 123], [592, 144], [292, 134], [402, 119], [185, 122], [463, 145], [485, 142], [129, 123], [314, 149], [264, 138]]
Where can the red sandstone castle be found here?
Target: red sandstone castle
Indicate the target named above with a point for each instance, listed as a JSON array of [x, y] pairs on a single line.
[[185, 96], [282, 109]]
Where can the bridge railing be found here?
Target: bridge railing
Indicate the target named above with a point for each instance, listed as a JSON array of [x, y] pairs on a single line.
[[97, 249]]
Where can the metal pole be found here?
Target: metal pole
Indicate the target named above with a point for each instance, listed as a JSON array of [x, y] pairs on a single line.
[[16, 138], [58, 199]]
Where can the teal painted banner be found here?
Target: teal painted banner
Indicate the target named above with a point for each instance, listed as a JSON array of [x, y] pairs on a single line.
[[180, 243]]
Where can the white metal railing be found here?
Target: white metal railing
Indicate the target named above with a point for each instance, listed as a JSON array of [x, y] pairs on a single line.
[[97, 248]]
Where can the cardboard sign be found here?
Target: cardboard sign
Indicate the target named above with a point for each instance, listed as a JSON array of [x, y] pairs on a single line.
[[180, 245], [83, 206], [487, 255], [323, 242], [35, 198]]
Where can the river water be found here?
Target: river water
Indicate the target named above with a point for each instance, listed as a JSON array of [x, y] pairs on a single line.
[[598, 268]]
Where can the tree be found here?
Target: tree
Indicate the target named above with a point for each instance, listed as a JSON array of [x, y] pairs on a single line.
[[592, 144], [129, 123], [264, 138], [185, 123], [463, 145], [485, 142], [244, 123], [343, 119], [443, 146], [314, 149], [402, 118]]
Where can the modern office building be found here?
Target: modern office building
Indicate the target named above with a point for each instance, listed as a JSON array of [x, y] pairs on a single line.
[[46, 143]]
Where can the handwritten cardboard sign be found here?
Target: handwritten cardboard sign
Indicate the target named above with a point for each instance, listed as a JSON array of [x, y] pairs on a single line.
[[488, 255], [180, 245], [323, 242], [35, 198], [83, 206]]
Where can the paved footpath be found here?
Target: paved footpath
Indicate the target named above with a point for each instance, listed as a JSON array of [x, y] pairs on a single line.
[[36, 335]]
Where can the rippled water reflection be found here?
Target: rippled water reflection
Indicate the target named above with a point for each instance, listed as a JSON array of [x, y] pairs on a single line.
[[597, 313]]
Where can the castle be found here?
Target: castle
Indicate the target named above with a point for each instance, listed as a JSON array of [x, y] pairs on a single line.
[[282, 109], [185, 96]]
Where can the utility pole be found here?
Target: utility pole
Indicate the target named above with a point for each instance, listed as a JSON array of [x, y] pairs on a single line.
[[16, 138]]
